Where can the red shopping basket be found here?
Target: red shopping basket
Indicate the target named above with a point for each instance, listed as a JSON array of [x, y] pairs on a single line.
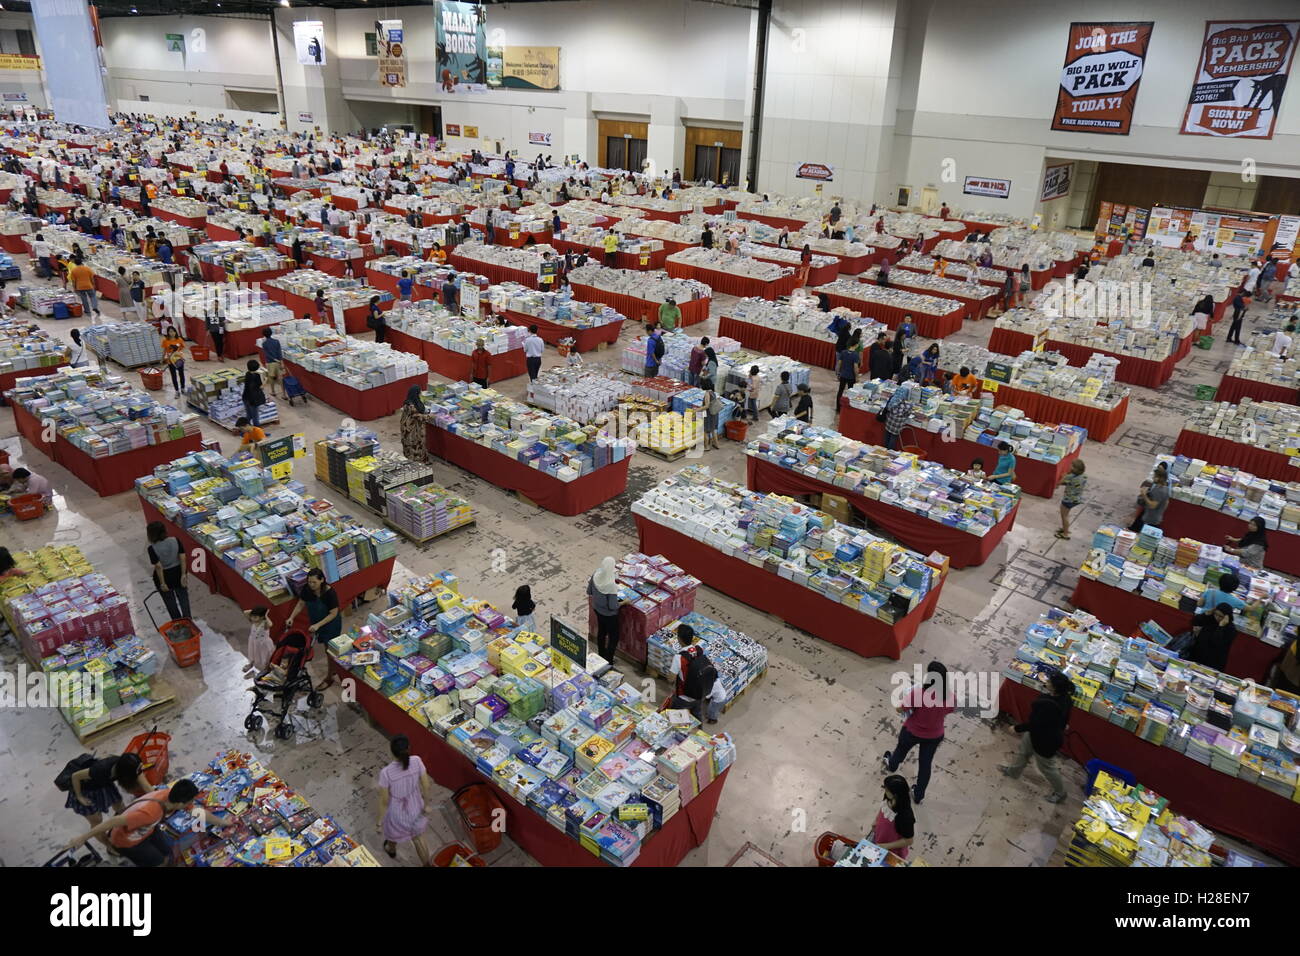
[[822, 848], [152, 748], [27, 507], [183, 640], [479, 809], [447, 854], [152, 379], [201, 353]]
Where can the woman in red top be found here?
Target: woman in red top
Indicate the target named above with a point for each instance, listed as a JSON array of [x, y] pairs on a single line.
[[925, 707]]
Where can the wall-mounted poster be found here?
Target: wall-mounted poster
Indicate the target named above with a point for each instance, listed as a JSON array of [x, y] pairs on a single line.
[[822, 172], [471, 132], [524, 67], [1239, 80], [539, 139], [309, 42], [996, 188], [1099, 81], [462, 47], [452, 129], [391, 51], [1056, 181]]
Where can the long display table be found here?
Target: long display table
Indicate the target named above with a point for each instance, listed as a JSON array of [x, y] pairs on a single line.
[[622, 260], [238, 343], [1186, 520], [977, 303], [1038, 478], [456, 365], [737, 285], [495, 272], [584, 340], [549, 846], [546, 491], [213, 272], [1010, 342], [1233, 389], [225, 581], [817, 275], [798, 606], [9, 379], [917, 532], [1101, 423], [1222, 451], [641, 310], [354, 319], [927, 325], [108, 476], [339, 267], [1125, 611], [363, 404], [1236, 807], [801, 348]]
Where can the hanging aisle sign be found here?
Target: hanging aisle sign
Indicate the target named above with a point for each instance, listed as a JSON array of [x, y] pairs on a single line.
[[1099, 81], [1056, 182], [392, 52], [462, 47], [1237, 89]]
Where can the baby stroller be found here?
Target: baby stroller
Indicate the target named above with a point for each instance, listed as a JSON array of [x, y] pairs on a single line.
[[276, 698]]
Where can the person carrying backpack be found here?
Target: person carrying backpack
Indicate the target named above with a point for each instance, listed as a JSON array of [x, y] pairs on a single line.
[[654, 353], [92, 785], [696, 678]]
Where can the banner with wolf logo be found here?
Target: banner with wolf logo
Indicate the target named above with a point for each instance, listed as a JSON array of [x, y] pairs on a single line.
[[1239, 81]]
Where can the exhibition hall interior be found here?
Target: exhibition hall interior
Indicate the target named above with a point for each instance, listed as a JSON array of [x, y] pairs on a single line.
[[650, 433]]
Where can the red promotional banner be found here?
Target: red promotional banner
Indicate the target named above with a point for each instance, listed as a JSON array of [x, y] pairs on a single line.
[[1239, 81], [1100, 78]]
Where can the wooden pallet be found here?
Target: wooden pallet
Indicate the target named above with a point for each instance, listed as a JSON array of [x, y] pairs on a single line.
[[391, 524], [162, 698]]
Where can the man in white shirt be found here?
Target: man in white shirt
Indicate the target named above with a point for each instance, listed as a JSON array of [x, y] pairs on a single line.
[[533, 347], [1252, 277], [41, 253], [30, 484], [1281, 343]]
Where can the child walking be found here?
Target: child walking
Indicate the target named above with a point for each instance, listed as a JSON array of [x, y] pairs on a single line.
[[524, 606], [260, 646]]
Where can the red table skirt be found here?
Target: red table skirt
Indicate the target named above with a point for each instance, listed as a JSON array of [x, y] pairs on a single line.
[[190, 222], [1233, 389], [9, 379], [362, 404], [801, 348], [1046, 410], [976, 306], [919, 533], [728, 284], [642, 310], [455, 365], [622, 260], [928, 326], [584, 340], [1131, 370], [495, 272], [795, 604], [1221, 451], [238, 343], [354, 319], [817, 275], [338, 267], [561, 497], [1126, 611], [224, 580], [794, 225], [388, 283], [220, 233], [1236, 807], [449, 768], [212, 272], [854, 265], [108, 476], [1010, 342], [1038, 478], [1186, 520]]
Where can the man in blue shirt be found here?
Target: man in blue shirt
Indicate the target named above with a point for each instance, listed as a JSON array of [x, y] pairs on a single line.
[[165, 252], [1222, 594], [404, 286]]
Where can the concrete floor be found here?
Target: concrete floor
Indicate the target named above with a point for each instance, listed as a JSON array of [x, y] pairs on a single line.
[[809, 737]]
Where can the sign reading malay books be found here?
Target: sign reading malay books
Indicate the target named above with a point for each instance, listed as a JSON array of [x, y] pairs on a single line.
[[1056, 182], [1237, 89], [1100, 78], [392, 52], [977, 186], [462, 47]]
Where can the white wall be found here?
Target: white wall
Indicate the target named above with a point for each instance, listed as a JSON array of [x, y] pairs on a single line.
[[30, 82]]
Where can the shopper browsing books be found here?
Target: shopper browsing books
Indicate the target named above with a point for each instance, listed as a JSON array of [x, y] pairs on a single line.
[[92, 786], [1043, 734], [696, 679], [1252, 546], [1072, 489], [895, 824], [1212, 637], [134, 832], [602, 589]]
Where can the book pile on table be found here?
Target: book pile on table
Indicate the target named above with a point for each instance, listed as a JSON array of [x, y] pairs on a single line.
[[671, 433], [1231, 725], [553, 444], [895, 298], [1256, 364], [770, 235], [577, 392], [181, 206], [1177, 572], [242, 308], [790, 257], [594, 236], [650, 286], [894, 478], [1047, 373], [427, 510], [41, 300], [220, 394], [715, 260], [802, 316], [238, 256], [1156, 341], [558, 307], [339, 292], [1234, 492], [333, 453], [1268, 426], [506, 221], [846, 565], [274, 825], [430, 321], [23, 346], [582, 748], [945, 285], [916, 261], [866, 853], [130, 344], [526, 259], [356, 363], [100, 413], [1008, 257], [975, 419], [271, 533], [740, 660]]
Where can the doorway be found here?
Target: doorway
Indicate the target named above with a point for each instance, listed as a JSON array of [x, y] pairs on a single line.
[[712, 154], [623, 145]]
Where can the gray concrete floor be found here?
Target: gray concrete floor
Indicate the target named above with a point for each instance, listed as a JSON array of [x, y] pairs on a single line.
[[809, 737]]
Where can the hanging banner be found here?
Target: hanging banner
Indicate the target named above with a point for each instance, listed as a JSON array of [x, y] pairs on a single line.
[[1284, 240], [392, 52], [1056, 182], [824, 172], [462, 47], [18, 61], [309, 42], [1099, 82], [1237, 88], [523, 67], [997, 188], [539, 139]]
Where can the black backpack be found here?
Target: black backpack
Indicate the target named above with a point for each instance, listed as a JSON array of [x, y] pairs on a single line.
[[699, 678], [63, 781], [659, 348]]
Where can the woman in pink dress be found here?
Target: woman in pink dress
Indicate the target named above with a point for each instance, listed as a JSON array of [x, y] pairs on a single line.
[[403, 789]]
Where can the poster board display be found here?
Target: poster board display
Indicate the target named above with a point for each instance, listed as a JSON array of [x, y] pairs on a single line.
[[462, 47], [1099, 82], [1240, 78], [309, 42], [1057, 180], [390, 41], [981, 186], [523, 67]]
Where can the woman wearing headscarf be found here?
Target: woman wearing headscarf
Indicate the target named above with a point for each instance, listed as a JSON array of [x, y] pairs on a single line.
[[1252, 545], [412, 426], [602, 590]]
